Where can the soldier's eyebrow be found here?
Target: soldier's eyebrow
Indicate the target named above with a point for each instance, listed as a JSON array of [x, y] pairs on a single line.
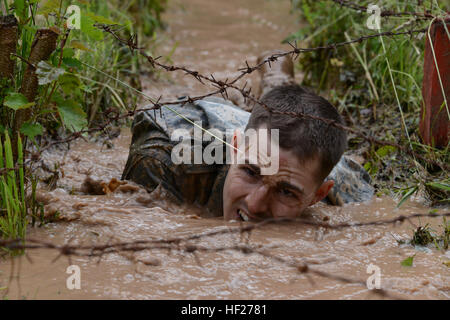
[[287, 185]]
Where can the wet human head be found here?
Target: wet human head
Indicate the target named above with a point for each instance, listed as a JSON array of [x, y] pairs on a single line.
[[308, 151]]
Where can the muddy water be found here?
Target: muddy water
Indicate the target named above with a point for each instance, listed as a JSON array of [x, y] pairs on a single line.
[[214, 36], [217, 37]]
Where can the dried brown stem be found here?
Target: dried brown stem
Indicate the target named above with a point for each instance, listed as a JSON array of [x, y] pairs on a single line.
[[42, 47], [8, 43]]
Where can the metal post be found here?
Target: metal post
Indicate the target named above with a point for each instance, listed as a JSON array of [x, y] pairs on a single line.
[[434, 121]]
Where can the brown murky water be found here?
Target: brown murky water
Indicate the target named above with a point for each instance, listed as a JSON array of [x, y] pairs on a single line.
[[217, 37], [214, 36]]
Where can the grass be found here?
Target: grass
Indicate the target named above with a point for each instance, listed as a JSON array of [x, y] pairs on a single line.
[[72, 94], [13, 208], [79, 95], [376, 86], [425, 235]]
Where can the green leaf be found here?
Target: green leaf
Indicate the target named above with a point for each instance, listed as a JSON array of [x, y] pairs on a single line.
[[370, 167], [86, 89], [69, 82], [46, 111], [17, 101], [406, 194], [50, 6], [408, 262], [68, 53], [100, 19], [56, 55], [48, 73], [385, 150], [79, 45], [31, 129], [31, 28], [87, 27], [439, 185], [73, 117], [21, 12], [72, 63]]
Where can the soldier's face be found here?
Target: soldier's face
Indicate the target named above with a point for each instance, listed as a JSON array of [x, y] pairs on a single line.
[[248, 195]]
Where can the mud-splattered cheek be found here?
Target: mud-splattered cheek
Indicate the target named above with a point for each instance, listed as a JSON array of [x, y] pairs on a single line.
[[235, 188]]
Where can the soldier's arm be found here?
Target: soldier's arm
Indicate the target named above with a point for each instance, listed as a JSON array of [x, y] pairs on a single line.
[[150, 163]]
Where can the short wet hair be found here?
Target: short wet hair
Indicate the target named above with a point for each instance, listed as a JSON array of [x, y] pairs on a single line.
[[308, 138]]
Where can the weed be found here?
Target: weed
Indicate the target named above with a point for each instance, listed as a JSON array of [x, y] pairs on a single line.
[[49, 83], [424, 235], [13, 207], [375, 85]]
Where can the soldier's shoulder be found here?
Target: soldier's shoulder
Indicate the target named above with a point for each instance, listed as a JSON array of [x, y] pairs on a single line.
[[352, 183]]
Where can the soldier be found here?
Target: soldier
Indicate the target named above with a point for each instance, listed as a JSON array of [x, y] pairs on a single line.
[[310, 165]]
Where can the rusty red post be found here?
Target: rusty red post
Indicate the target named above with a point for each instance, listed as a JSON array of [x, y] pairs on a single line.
[[434, 121]]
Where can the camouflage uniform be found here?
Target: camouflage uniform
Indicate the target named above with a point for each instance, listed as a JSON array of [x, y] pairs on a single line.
[[149, 162]]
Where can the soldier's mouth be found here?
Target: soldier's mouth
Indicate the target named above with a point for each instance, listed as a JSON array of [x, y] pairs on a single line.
[[241, 214]]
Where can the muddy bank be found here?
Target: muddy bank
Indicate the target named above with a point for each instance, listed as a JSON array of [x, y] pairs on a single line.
[[213, 37]]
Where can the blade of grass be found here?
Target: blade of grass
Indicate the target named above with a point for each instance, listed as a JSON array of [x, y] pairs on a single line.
[[366, 69], [21, 169], [398, 100], [10, 165], [407, 195]]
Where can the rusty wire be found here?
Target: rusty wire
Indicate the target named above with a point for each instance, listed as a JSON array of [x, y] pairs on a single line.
[[245, 228], [222, 87], [185, 245], [182, 244]]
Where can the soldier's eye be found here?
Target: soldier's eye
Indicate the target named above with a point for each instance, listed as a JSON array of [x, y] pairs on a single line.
[[250, 171], [287, 193]]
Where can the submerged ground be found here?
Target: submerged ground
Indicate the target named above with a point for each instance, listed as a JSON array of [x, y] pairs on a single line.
[[213, 37]]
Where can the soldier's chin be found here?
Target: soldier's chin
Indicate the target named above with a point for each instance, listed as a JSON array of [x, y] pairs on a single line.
[[227, 216], [230, 215]]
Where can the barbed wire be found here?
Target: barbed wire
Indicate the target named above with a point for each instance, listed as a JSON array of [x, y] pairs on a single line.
[[222, 86], [132, 44], [247, 228], [99, 251], [184, 244]]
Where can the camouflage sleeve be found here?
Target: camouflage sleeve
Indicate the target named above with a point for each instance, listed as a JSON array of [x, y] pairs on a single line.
[[351, 183], [150, 164]]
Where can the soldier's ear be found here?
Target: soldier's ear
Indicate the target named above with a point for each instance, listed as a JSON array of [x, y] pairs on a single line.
[[322, 192]]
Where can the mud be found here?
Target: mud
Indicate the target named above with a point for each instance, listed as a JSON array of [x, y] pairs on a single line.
[[214, 37]]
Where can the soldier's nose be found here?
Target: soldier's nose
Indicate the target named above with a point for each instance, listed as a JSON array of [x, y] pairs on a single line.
[[258, 201]]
